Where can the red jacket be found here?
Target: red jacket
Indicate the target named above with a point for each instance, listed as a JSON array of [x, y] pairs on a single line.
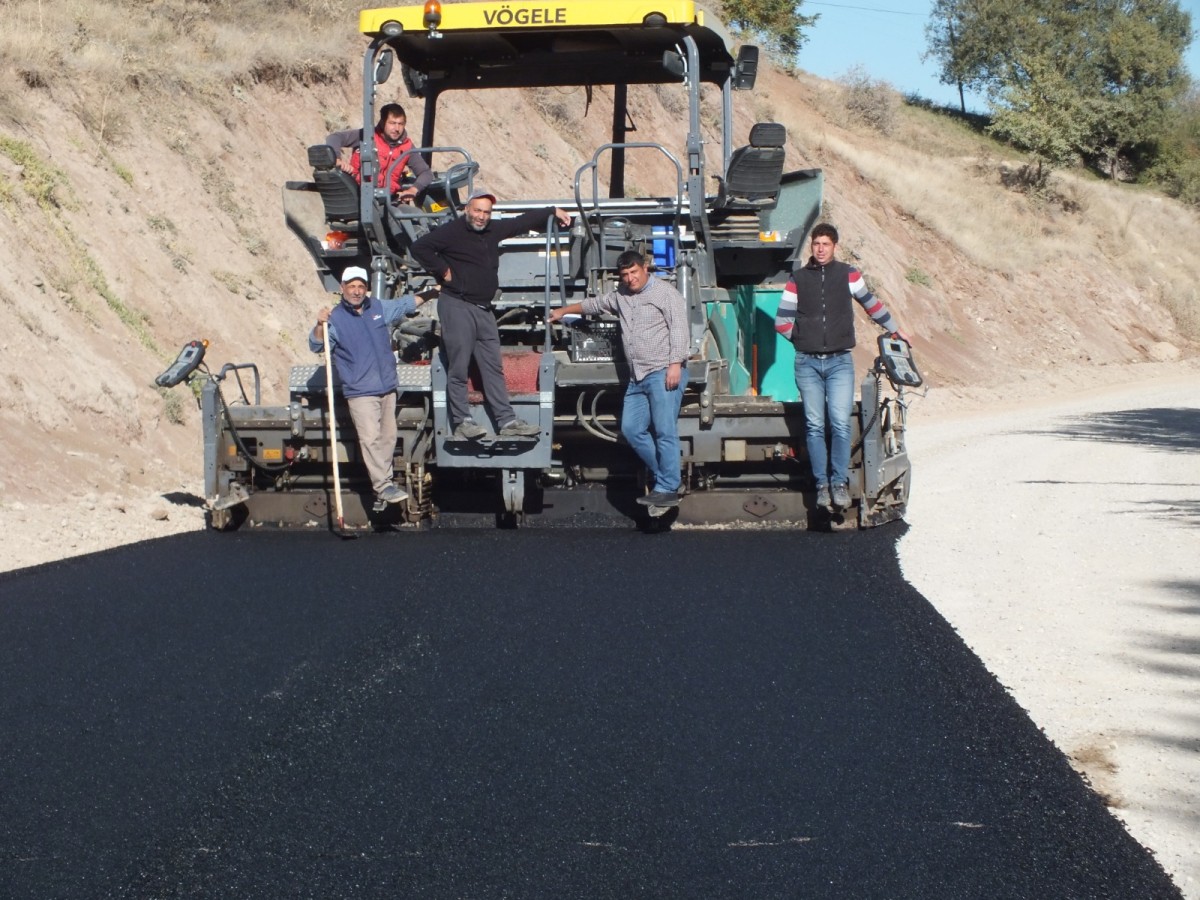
[[388, 154]]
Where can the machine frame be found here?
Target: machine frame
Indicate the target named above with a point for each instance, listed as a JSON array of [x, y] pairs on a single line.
[[726, 240]]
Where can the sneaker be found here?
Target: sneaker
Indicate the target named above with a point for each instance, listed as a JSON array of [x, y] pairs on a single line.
[[660, 498], [823, 501], [393, 494], [841, 496], [469, 430], [519, 428]]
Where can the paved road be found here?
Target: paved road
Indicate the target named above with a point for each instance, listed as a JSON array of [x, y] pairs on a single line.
[[565, 714]]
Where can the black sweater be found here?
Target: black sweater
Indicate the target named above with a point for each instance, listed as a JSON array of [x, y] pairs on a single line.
[[473, 257]]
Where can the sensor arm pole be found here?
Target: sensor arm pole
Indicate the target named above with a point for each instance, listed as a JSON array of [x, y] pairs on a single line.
[[616, 179], [367, 154]]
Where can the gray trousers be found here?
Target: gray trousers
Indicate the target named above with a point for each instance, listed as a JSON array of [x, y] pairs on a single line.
[[375, 421], [469, 331]]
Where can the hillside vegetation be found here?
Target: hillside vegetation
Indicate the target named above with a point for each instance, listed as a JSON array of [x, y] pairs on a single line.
[[143, 146]]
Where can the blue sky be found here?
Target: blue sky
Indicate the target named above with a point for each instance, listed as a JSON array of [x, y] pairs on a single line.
[[887, 38]]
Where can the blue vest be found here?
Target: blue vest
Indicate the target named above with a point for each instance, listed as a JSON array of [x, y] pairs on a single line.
[[363, 355]]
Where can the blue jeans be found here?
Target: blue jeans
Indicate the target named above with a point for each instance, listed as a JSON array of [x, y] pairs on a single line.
[[650, 422], [827, 386]]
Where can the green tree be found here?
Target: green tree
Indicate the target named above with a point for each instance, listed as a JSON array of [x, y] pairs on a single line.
[[1140, 75], [1067, 78], [1176, 153], [964, 36], [777, 24]]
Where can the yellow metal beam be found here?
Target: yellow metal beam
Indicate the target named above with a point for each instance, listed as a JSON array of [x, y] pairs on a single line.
[[533, 14]]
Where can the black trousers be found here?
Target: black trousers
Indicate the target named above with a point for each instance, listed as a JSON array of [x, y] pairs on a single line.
[[469, 331]]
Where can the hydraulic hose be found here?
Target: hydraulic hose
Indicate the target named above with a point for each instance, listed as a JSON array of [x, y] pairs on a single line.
[[593, 427], [237, 438]]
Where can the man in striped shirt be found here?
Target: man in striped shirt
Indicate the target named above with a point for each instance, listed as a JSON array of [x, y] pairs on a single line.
[[656, 337], [817, 314]]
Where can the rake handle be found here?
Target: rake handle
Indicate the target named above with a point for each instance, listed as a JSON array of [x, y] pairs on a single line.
[[333, 445]]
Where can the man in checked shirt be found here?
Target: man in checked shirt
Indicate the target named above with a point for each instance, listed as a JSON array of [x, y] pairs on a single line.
[[655, 334]]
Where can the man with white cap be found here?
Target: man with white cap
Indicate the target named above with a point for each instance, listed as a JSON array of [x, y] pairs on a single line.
[[360, 342], [464, 256]]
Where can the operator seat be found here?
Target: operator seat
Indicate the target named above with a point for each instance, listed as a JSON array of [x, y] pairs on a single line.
[[755, 171], [338, 190]]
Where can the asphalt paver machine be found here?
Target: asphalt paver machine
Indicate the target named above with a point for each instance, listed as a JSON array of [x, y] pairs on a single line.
[[725, 228]]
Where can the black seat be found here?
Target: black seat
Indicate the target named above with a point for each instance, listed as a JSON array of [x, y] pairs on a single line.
[[754, 174], [338, 190]]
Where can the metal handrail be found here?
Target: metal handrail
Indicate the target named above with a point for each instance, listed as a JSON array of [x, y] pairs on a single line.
[[552, 247], [594, 165], [384, 192]]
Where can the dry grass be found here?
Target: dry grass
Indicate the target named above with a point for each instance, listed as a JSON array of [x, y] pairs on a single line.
[[1150, 237], [135, 55], [166, 46], [558, 106], [673, 98], [942, 174], [946, 193]]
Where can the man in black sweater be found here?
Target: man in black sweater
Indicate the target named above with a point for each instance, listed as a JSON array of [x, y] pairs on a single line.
[[464, 256]]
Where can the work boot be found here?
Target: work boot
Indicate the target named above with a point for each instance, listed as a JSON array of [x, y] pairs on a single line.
[[660, 498], [519, 428], [393, 493], [469, 430], [841, 496], [823, 501]]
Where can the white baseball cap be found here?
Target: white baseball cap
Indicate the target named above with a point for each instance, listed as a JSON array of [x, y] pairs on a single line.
[[355, 272]]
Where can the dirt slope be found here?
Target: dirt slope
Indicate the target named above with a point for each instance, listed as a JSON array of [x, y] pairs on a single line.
[[114, 254]]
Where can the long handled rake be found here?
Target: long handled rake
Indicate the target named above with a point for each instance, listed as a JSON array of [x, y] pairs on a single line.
[[333, 441]]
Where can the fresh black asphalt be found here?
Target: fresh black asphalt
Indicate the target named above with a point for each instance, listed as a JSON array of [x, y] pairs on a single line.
[[533, 713]]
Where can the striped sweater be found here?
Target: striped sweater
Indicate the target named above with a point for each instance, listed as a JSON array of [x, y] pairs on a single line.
[[815, 312]]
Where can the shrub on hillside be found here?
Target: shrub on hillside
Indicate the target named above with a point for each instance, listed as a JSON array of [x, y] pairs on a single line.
[[869, 100], [554, 105], [1179, 179], [673, 98]]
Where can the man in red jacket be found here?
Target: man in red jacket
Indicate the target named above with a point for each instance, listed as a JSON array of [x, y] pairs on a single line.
[[394, 149]]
